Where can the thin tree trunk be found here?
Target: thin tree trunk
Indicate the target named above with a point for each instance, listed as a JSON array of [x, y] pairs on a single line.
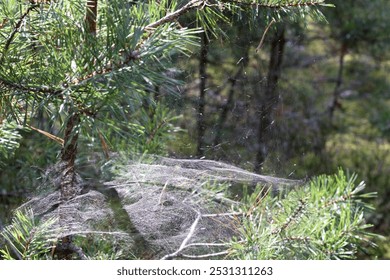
[[336, 93], [201, 126], [69, 184], [271, 96], [91, 16], [229, 103], [69, 150], [68, 156]]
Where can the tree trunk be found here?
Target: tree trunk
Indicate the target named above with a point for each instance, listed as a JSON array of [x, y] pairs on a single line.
[[201, 126], [229, 102], [271, 96], [91, 16], [70, 186], [68, 157], [336, 93]]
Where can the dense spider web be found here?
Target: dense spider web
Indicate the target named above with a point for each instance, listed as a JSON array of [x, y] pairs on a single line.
[[152, 203]]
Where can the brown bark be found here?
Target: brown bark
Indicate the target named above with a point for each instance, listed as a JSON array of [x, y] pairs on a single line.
[[69, 186], [68, 157], [91, 16], [69, 150]]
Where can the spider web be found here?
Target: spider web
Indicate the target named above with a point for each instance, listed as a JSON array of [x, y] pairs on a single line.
[[152, 202]]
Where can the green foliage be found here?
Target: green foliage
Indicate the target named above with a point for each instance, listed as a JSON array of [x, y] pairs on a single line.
[[88, 72], [323, 220], [149, 128], [26, 239], [102, 76], [102, 247], [99, 76], [51, 66], [9, 141], [358, 29]]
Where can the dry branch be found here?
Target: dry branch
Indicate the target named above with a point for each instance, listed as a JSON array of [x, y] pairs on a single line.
[[185, 244]]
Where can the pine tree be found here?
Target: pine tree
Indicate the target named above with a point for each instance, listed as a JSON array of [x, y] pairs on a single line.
[[356, 30], [85, 65]]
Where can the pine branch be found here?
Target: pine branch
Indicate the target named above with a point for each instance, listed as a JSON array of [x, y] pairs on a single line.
[[109, 68], [33, 89], [197, 3], [134, 55], [280, 5], [292, 218], [172, 17], [176, 14], [16, 29]]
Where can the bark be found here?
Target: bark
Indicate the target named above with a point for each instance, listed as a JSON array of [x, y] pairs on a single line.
[[271, 96], [91, 16], [201, 126], [69, 186], [69, 151]]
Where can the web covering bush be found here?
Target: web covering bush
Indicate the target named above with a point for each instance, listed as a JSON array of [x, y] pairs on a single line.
[[152, 204], [157, 207]]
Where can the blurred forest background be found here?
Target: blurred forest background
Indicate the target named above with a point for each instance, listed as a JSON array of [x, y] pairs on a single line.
[[302, 99], [315, 97]]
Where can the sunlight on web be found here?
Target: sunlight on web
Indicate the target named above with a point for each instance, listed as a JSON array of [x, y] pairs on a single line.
[[153, 202]]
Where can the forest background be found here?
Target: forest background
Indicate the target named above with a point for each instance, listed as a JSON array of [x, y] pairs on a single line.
[[292, 99]]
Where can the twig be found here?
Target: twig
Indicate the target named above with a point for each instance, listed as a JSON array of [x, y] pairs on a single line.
[[104, 145], [16, 29], [223, 214], [292, 218], [184, 244], [229, 102], [154, 132], [176, 14], [162, 193], [276, 5], [265, 32], [206, 244], [35, 89], [185, 241], [48, 135], [205, 256]]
